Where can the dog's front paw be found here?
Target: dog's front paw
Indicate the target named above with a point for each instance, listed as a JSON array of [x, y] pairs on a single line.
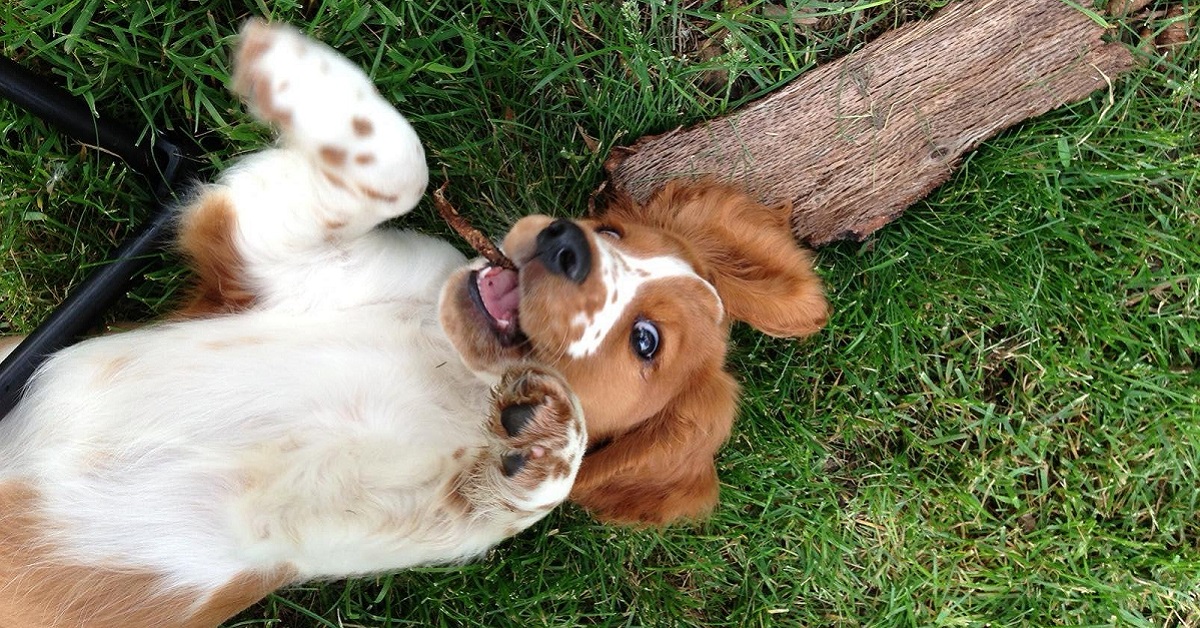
[[542, 438], [327, 107]]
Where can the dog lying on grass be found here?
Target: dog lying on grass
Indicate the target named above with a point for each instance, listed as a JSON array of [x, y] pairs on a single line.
[[340, 399]]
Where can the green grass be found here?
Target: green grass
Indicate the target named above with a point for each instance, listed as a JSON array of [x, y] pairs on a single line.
[[1001, 425]]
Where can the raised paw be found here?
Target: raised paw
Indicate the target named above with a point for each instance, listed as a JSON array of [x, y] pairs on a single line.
[[541, 435], [327, 108]]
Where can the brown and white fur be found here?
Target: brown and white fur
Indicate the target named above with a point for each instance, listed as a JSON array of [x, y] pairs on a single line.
[[341, 399], [322, 426]]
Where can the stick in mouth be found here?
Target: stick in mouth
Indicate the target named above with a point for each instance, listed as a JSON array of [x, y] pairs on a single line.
[[473, 236]]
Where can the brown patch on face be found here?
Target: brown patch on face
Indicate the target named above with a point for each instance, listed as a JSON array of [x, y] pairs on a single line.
[[207, 237], [662, 469], [663, 419], [764, 277], [550, 302], [40, 588], [659, 468], [362, 126], [364, 159], [332, 155], [618, 389], [333, 224], [460, 452]]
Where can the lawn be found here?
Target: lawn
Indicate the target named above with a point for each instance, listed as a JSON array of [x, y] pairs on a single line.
[[1000, 426]]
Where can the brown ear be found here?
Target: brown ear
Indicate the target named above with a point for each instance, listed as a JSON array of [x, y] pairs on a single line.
[[763, 275], [662, 470]]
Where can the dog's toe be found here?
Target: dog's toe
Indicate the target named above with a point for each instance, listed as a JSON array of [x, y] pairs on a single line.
[[512, 463], [515, 418]]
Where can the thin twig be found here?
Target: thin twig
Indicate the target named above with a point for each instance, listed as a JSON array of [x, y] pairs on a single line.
[[473, 236]]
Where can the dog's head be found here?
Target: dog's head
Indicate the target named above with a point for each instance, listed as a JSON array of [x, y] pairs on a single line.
[[634, 306]]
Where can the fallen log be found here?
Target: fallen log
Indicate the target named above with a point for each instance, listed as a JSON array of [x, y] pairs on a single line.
[[854, 142]]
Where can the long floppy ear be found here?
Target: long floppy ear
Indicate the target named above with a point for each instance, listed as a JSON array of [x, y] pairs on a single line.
[[663, 470], [763, 275]]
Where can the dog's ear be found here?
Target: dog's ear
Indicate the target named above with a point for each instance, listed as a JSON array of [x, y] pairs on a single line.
[[663, 470], [763, 275]]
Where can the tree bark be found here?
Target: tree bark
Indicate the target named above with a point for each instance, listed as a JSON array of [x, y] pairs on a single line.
[[854, 142]]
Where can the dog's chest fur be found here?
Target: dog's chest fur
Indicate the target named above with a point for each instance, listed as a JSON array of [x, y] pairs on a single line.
[[295, 415]]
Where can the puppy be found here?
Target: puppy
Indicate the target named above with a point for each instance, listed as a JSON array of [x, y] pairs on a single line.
[[340, 400]]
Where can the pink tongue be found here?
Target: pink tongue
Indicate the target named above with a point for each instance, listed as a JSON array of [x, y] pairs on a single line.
[[500, 293]]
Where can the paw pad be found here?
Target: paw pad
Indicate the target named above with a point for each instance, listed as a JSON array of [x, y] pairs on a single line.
[[512, 464], [515, 418]]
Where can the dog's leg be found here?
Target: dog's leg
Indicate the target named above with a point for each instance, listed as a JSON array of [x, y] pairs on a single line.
[[291, 215], [368, 157], [536, 444]]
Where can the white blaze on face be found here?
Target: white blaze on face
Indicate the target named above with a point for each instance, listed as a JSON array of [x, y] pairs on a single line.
[[622, 276]]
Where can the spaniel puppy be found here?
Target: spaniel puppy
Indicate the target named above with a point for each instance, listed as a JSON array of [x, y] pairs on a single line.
[[341, 399]]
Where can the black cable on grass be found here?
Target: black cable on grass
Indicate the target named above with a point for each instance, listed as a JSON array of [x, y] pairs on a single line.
[[163, 162]]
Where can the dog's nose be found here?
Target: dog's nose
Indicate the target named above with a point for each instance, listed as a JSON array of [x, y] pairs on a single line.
[[563, 249]]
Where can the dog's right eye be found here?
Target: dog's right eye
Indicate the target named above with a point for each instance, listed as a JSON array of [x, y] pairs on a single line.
[[609, 231], [644, 339]]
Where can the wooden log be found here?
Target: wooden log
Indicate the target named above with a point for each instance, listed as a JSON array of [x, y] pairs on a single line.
[[854, 142]]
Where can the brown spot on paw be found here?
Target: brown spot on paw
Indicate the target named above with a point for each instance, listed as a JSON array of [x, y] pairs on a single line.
[[335, 180], [539, 470], [255, 89], [362, 126], [255, 41], [374, 194], [251, 84], [333, 155]]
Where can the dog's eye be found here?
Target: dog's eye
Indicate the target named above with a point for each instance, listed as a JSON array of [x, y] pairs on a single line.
[[644, 339], [610, 231]]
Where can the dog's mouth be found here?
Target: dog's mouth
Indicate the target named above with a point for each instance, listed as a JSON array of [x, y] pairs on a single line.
[[496, 293]]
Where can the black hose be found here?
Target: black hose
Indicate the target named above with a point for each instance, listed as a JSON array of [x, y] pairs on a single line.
[[162, 162]]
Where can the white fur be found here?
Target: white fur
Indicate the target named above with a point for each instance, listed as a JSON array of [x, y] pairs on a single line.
[[319, 429], [623, 275]]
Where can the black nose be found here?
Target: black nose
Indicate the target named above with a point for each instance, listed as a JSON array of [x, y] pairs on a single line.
[[563, 249]]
